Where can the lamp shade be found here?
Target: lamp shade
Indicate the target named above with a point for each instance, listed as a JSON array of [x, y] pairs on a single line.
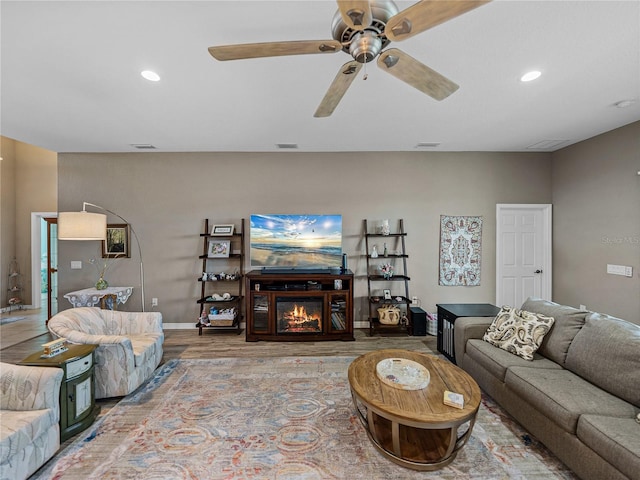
[[82, 226]]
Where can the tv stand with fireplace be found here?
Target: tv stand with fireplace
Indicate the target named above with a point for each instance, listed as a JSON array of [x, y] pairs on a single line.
[[299, 306]]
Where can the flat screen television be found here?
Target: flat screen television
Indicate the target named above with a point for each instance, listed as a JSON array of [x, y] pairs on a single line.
[[296, 242]]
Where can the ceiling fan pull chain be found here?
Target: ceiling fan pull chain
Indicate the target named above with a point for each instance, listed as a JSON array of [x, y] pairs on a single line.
[[364, 77]]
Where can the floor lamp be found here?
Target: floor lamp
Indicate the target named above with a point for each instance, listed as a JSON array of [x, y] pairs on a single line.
[[93, 226]]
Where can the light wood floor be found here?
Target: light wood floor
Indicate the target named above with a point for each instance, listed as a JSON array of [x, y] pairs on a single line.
[[187, 344]]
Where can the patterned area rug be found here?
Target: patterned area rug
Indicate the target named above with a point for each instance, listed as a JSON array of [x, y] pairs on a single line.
[[271, 418]]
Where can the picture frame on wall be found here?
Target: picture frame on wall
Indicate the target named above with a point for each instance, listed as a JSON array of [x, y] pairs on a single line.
[[117, 243], [222, 230], [219, 249]]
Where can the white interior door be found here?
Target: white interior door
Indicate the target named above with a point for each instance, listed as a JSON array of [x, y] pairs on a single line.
[[523, 253]]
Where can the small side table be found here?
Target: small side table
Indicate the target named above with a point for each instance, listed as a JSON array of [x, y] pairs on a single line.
[[447, 314], [78, 407], [90, 297]]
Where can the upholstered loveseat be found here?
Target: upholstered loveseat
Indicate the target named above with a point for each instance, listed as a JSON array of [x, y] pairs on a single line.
[[29, 416], [580, 394], [129, 344]]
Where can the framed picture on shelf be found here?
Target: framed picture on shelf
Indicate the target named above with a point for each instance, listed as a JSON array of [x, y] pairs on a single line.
[[222, 230], [219, 248], [117, 243]]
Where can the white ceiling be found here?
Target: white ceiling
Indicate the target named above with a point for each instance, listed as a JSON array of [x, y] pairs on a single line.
[[70, 77]]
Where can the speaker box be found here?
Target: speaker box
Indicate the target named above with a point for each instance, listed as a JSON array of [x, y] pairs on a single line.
[[418, 321]]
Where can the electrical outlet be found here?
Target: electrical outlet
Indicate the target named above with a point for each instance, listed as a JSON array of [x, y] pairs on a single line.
[[76, 264], [583, 307], [414, 300], [154, 302]]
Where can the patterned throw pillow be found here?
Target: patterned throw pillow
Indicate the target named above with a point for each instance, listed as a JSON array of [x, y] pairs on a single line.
[[518, 331]]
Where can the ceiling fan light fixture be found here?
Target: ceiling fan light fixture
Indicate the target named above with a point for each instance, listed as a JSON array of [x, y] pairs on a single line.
[[365, 46], [530, 76]]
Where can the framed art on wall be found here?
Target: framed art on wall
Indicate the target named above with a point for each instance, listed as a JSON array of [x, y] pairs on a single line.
[[219, 248], [117, 243]]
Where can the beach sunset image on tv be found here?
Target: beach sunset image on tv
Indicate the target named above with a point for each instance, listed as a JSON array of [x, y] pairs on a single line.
[[296, 241]]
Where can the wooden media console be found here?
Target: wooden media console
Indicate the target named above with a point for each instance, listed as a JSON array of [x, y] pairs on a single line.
[[299, 307]]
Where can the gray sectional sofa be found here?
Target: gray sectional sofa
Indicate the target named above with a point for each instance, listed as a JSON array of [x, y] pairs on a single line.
[[580, 395]]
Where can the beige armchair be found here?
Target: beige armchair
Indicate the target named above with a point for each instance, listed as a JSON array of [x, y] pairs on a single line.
[[129, 344], [29, 418]]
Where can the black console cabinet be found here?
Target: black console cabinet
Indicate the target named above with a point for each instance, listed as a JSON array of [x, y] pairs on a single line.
[[447, 314]]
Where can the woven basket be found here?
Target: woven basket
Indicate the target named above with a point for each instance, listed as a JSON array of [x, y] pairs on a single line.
[[222, 319]]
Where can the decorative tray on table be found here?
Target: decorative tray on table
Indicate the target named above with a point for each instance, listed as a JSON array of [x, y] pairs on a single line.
[[403, 374]]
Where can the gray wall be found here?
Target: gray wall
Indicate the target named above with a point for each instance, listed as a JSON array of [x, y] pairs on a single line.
[[167, 196], [596, 204]]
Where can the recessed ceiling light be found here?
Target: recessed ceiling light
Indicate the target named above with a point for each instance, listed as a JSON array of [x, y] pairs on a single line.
[[151, 76], [532, 75]]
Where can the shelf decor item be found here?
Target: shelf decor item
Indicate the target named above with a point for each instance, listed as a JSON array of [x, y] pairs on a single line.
[[219, 248], [384, 228], [386, 270], [222, 230]]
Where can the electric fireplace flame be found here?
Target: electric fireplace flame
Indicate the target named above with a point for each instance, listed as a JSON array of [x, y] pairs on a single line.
[[300, 316]]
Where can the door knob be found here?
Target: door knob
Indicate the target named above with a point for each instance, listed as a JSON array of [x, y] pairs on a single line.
[[538, 271]]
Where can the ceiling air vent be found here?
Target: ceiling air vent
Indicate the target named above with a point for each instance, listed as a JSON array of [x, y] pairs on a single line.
[[287, 146], [428, 145], [547, 144], [143, 146]]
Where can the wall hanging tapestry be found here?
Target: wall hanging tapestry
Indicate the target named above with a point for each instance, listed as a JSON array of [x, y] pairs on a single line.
[[460, 250]]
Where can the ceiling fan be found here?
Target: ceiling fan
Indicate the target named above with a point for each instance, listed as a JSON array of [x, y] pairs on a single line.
[[362, 28]]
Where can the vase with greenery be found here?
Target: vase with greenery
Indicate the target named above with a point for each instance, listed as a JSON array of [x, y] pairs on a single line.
[[102, 268]]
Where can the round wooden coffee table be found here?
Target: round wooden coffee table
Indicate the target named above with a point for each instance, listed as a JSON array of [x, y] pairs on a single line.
[[414, 428]]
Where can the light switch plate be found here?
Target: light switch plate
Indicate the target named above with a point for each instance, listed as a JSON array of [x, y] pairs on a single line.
[[619, 270]]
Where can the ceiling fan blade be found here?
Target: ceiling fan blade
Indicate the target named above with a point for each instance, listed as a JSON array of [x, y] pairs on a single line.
[[274, 49], [416, 74], [348, 72], [355, 13], [426, 14]]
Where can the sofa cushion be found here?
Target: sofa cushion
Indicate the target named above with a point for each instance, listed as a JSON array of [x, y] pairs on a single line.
[[18, 429], [568, 322], [563, 396], [614, 439], [606, 352], [497, 361], [518, 331]]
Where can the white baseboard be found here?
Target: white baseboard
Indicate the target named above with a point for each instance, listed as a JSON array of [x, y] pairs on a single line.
[[15, 308]]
